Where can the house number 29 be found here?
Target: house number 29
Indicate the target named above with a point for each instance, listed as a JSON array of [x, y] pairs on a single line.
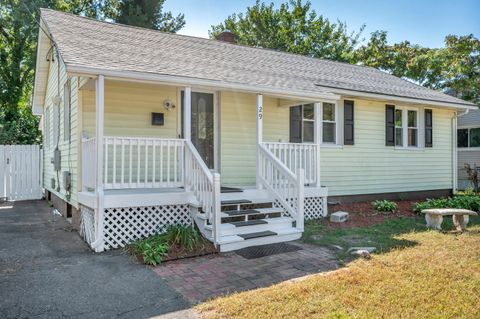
[[260, 112]]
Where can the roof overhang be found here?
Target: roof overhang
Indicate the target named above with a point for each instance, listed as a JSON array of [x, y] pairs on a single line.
[[41, 72], [330, 94], [189, 81], [403, 99]]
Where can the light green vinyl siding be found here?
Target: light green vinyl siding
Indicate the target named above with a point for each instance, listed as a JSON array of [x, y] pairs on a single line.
[[128, 110], [366, 167], [69, 151], [238, 131], [371, 167]]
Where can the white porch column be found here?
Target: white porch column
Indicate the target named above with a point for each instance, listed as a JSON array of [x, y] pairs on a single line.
[[98, 244], [259, 133], [187, 114], [317, 138]]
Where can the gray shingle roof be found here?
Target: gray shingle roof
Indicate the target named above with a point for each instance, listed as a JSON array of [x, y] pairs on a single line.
[[107, 46]]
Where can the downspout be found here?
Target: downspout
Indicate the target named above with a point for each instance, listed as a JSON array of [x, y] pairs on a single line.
[[454, 150]]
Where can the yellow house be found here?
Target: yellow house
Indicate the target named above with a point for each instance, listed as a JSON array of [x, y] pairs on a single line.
[[143, 129]]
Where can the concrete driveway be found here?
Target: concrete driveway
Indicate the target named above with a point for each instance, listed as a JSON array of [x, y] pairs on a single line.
[[47, 271]]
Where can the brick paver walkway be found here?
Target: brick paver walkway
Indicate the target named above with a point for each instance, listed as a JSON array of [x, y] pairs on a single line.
[[198, 279]]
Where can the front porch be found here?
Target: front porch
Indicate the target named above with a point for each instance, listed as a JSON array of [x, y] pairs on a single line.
[[134, 186]]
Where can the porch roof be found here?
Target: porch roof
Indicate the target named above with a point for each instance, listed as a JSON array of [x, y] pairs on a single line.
[[89, 46]]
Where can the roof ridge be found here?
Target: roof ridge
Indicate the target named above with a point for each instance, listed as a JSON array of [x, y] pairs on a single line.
[[309, 69], [111, 23]]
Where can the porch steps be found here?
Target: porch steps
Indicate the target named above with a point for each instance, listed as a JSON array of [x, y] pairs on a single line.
[[247, 219], [258, 234]]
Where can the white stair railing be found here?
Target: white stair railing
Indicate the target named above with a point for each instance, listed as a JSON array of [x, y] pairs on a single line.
[[287, 187], [205, 185], [298, 155]]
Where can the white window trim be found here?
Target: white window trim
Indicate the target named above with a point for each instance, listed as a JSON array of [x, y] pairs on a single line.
[[308, 120], [468, 148], [420, 128], [338, 125]]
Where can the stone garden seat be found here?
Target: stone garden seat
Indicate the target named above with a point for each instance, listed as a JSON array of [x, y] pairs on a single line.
[[460, 217]]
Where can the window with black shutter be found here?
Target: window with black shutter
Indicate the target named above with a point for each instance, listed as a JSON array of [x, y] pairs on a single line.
[[390, 125], [348, 127], [428, 128]]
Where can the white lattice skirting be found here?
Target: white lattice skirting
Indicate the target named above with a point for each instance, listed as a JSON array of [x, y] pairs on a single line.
[[126, 224], [87, 224], [313, 207]]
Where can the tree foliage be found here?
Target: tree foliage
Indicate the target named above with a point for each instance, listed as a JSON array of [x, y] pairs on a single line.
[[147, 14], [18, 39], [454, 69], [293, 27]]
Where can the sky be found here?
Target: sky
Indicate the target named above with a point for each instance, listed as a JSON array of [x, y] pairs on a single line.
[[423, 22]]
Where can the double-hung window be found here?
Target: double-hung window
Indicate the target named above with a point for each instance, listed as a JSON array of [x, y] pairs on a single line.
[[302, 123], [468, 137], [329, 125], [308, 123], [398, 127], [406, 127], [412, 128]]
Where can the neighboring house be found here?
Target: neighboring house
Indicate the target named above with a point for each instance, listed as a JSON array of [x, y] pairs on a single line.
[[468, 143], [143, 129]]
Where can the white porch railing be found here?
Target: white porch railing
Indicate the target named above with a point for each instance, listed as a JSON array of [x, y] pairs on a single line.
[[287, 187], [205, 185], [88, 163], [140, 162], [295, 156]]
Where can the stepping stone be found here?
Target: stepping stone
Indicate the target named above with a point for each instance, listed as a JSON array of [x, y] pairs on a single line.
[[339, 217], [368, 249]]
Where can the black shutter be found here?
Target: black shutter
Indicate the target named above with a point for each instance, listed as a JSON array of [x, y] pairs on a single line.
[[296, 124], [428, 128], [348, 133], [390, 125]]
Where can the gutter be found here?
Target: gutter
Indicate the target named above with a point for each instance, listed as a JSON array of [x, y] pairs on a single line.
[[455, 149]]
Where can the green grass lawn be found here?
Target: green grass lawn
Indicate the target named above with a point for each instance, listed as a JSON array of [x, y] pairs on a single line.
[[415, 273], [384, 236]]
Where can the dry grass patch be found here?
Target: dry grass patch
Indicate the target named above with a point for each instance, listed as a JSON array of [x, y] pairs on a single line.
[[439, 277]]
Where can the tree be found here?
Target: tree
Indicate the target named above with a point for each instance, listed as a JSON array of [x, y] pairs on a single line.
[[453, 69], [148, 14], [294, 28], [18, 38]]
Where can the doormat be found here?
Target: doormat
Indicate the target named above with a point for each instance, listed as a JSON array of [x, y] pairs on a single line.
[[266, 250]]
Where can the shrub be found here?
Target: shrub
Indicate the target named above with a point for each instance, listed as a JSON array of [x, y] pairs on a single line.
[[183, 236], [384, 206], [152, 249], [471, 202], [155, 247]]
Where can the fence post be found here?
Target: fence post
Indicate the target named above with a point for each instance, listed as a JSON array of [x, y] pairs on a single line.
[[300, 198]]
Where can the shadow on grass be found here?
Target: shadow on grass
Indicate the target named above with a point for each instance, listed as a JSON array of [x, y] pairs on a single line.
[[383, 236]]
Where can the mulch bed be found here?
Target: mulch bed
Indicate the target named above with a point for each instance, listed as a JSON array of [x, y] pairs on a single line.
[[362, 214], [177, 252]]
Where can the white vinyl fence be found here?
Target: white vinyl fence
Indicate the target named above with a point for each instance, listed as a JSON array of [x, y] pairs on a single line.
[[20, 172]]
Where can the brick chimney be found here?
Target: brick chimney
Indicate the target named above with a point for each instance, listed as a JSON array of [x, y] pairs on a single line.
[[226, 36]]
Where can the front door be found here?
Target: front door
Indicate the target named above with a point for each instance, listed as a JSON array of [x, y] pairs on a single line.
[[203, 125]]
